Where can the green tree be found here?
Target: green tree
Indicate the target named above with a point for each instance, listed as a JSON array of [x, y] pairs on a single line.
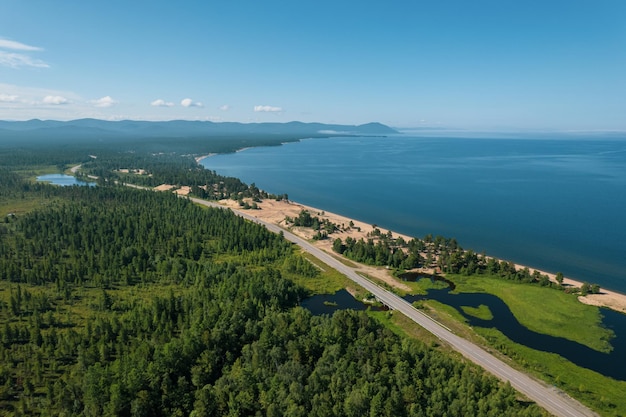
[[559, 278], [585, 288]]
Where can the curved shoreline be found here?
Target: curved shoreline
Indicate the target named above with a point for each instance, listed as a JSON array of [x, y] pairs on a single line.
[[276, 211], [606, 298]]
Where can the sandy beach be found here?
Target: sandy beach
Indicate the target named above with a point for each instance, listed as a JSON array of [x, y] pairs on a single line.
[[275, 212], [200, 158]]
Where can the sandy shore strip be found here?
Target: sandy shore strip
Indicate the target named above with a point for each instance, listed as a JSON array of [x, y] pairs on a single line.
[[605, 298], [275, 212], [200, 158]]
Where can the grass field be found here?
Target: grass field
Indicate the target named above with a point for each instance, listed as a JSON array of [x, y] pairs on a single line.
[[329, 281]]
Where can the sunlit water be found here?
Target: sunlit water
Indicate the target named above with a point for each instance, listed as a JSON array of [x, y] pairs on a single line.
[[62, 180], [556, 205]]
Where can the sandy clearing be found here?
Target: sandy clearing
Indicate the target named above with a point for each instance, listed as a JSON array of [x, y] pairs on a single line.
[[164, 187]]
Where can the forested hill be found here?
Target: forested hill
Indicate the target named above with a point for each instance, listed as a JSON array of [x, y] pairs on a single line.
[[85, 129], [122, 302]]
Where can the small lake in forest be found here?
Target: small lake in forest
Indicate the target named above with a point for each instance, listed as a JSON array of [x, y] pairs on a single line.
[[329, 303], [611, 364], [63, 180]]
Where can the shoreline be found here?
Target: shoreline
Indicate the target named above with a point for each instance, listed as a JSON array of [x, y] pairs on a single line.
[[200, 158], [276, 211]]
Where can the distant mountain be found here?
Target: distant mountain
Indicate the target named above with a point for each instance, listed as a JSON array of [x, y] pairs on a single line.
[[101, 129]]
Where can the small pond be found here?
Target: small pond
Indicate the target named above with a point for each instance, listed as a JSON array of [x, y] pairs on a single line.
[[329, 303], [63, 180]]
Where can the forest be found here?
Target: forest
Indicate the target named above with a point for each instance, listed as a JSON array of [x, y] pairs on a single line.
[[445, 255], [117, 301]]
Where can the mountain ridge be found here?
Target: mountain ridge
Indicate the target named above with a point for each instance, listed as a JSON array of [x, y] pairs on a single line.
[[75, 129]]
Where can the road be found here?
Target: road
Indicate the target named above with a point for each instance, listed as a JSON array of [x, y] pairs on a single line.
[[553, 400]]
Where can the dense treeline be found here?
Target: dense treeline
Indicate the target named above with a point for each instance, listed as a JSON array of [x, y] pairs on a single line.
[[18, 150], [445, 254], [111, 237], [128, 303], [165, 169], [162, 160]]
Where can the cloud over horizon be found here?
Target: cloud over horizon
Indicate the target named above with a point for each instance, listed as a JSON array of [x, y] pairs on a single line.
[[19, 59], [32, 97], [161, 103], [187, 102], [55, 100], [103, 102], [268, 109], [8, 98]]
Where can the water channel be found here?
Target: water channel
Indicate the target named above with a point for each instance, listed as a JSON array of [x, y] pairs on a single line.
[[611, 364]]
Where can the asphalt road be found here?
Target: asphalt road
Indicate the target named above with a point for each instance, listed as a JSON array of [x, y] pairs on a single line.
[[553, 400]]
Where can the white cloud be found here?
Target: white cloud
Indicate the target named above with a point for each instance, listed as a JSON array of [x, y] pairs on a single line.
[[270, 109], [33, 95], [17, 46], [13, 60], [8, 98], [56, 100], [161, 103], [105, 101], [17, 60], [187, 102], [225, 107]]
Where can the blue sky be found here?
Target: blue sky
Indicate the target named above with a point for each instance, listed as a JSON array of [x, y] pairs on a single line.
[[478, 64]]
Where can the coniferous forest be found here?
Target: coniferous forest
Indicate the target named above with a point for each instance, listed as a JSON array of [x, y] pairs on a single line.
[[123, 302]]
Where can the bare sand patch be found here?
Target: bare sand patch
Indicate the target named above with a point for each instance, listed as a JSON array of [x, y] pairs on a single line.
[[200, 158], [184, 190], [164, 187]]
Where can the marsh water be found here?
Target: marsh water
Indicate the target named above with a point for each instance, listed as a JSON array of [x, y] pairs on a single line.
[[329, 303], [611, 364]]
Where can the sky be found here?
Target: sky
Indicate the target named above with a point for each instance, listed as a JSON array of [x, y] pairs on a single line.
[[480, 64]]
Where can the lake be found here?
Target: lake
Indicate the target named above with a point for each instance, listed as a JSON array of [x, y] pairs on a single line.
[[329, 303], [553, 204], [63, 180]]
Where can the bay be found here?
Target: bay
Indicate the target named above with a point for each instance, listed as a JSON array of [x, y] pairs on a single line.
[[552, 204]]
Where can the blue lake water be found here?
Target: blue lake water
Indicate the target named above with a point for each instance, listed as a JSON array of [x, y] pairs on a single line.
[[63, 180], [556, 205]]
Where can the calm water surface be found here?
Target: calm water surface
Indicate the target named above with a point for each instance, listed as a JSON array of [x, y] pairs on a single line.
[[63, 180], [556, 205]]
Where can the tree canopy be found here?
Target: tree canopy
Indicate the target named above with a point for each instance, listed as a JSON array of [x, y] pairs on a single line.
[[124, 302]]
